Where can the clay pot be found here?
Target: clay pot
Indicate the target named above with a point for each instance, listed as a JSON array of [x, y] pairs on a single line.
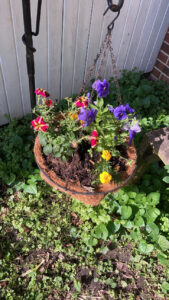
[[76, 190]]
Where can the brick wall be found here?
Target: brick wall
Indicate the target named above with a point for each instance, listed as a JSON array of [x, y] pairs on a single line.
[[161, 67]]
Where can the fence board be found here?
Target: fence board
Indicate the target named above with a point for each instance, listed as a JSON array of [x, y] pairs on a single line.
[[83, 28], [69, 44], [3, 99], [17, 22], [55, 9], [9, 61]]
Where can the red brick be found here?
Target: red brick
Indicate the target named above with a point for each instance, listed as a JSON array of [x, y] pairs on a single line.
[[166, 70], [165, 78], [162, 57], [165, 48], [159, 65], [156, 72], [167, 38]]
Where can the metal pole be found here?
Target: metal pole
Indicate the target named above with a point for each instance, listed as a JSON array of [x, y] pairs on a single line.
[[27, 40]]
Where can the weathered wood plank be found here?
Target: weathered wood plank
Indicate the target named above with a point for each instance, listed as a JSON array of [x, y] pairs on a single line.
[[159, 140]]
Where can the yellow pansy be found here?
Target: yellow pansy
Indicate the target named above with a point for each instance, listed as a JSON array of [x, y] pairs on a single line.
[[106, 155], [105, 177]]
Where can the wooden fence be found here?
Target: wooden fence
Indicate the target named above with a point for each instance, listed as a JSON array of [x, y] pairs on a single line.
[[71, 32]]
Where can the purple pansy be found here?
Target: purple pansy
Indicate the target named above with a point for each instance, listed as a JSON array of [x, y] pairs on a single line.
[[101, 87], [130, 110], [111, 109], [135, 128], [87, 116], [120, 112]]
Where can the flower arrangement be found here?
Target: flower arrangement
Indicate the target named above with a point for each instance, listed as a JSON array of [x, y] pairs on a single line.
[[97, 132]]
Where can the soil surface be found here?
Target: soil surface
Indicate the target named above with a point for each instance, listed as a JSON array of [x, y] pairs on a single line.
[[79, 167]]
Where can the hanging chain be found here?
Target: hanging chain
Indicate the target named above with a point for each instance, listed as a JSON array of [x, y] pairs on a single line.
[[102, 53], [114, 70]]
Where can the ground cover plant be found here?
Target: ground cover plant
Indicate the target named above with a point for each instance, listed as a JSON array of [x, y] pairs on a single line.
[[52, 247]]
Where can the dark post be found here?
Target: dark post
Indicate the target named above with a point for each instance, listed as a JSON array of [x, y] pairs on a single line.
[[27, 40]]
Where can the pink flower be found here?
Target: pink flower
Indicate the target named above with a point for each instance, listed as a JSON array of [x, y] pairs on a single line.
[[39, 124], [82, 102], [41, 92], [48, 102], [94, 139]]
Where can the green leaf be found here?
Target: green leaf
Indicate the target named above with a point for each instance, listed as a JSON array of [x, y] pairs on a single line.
[[139, 221], [101, 232], [152, 227], [42, 139], [152, 214], [145, 248], [47, 149], [165, 287], [77, 285], [126, 212], [163, 243], [163, 259], [166, 179], [10, 179], [153, 198], [30, 189]]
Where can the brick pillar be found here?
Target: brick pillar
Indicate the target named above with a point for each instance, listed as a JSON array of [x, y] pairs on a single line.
[[161, 67]]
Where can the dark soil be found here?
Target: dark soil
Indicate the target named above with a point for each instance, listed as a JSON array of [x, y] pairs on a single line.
[[79, 167]]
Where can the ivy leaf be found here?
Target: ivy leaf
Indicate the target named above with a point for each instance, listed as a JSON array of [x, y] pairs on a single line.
[[126, 212], [163, 243], [30, 189], [145, 248]]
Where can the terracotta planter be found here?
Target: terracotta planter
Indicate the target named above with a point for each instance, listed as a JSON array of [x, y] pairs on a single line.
[[75, 190]]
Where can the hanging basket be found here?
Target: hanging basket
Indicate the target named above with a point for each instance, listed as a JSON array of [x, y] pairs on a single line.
[[75, 190]]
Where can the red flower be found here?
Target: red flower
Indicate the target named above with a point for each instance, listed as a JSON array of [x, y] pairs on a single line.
[[94, 139], [39, 124], [81, 102], [41, 92], [48, 102]]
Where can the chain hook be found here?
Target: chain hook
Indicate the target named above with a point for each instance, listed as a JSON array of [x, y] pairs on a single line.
[[113, 8]]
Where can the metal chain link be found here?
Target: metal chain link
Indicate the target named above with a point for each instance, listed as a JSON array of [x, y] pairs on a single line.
[[102, 53]]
